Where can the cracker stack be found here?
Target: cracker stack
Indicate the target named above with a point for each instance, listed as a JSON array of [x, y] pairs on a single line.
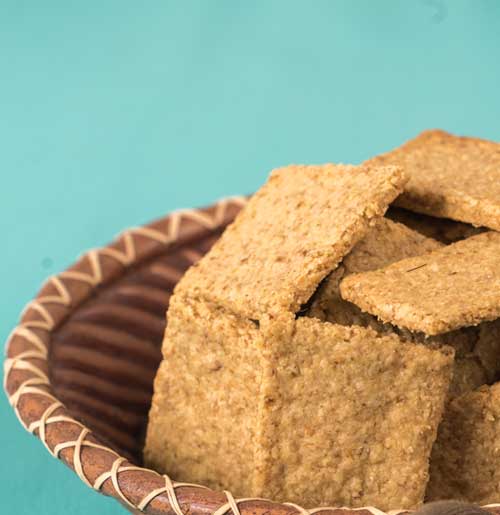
[[311, 355], [455, 288]]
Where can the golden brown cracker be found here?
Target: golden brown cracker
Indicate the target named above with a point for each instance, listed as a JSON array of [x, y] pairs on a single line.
[[450, 177], [452, 287]]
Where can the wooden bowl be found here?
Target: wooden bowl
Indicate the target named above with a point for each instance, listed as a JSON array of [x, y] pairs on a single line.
[[79, 367]]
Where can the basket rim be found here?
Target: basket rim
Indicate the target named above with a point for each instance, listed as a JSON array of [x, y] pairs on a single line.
[[29, 391]]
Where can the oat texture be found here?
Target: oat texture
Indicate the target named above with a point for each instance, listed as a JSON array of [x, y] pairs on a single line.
[[353, 416], [449, 288], [450, 177], [202, 420], [465, 457], [292, 233]]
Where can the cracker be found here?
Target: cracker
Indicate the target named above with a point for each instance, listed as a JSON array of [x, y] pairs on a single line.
[[292, 233], [353, 417], [197, 427], [450, 177], [453, 287], [384, 243], [440, 229], [464, 463]]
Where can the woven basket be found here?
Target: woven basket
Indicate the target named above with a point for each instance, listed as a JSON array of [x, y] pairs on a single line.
[[79, 367]]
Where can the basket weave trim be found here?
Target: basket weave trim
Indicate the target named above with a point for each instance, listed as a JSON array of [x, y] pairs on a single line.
[[231, 504], [169, 489], [37, 320]]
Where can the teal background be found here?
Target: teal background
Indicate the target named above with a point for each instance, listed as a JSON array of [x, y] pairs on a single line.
[[114, 112]]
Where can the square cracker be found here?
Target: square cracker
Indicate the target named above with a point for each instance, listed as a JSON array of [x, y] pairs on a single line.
[[292, 233], [351, 417], [206, 391], [465, 457], [450, 177], [384, 243], [452, 287]]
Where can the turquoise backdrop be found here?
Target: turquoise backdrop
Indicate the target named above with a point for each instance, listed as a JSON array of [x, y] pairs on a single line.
[[113, 112]]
